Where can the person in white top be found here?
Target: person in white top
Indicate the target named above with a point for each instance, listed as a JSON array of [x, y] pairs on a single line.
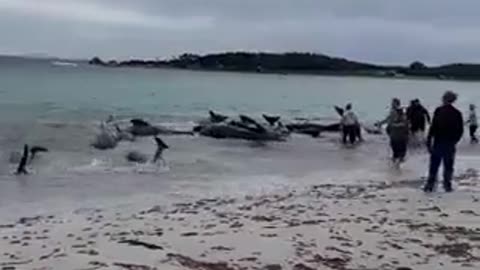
[[473, 123], [349, 125]]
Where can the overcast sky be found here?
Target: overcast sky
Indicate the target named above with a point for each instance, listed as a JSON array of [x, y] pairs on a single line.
[[383, 31]]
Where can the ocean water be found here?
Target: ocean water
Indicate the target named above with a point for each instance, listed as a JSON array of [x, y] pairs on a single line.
[[60, 107]]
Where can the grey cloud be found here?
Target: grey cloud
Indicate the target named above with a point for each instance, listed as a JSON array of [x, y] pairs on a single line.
[[436, 31]]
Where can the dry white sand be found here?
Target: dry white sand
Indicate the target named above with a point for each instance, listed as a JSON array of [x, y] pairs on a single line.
[[368, 226]]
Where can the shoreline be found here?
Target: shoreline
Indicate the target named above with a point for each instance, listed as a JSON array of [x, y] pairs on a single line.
[[372, 225], [300, 63], [288, 73]]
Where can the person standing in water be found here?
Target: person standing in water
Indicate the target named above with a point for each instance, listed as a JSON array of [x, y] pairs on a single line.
[[349, 125], [417, 117], [444, 134], [473, 123], [395, 106], [397, 130]]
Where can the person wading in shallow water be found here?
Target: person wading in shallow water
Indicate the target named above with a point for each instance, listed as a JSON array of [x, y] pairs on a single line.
[[472, 123], [397, 130], [395, 106], [349, 125], [418, 117], [445, 132]]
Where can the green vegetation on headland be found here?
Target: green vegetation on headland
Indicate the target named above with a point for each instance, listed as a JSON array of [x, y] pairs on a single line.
[[299, 63]]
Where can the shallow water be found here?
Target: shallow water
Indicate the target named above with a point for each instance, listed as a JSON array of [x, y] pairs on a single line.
[[60, 108]]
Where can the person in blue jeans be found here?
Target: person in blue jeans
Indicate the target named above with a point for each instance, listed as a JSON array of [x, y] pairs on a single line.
[[445, 132]]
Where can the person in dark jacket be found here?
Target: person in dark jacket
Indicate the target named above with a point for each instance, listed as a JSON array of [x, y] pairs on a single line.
[[417, 116], [445, 132]]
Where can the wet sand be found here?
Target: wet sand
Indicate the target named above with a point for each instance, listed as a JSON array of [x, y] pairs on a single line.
[[372, 225]]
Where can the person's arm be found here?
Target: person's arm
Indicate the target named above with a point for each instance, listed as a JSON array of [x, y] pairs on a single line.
[[427, 115], [459, 127], [470, 118], [384, 121], [433, 130]]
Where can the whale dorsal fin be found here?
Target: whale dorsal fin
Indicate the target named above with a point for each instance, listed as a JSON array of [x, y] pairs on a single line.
[[139, 122], [217, 118]]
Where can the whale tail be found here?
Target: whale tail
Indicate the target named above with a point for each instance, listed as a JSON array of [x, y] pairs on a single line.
[[23, 162], [36, 149], [339, 110], [272, 120], [161, 146]]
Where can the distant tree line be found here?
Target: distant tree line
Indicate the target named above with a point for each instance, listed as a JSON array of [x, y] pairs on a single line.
[[296, 62]]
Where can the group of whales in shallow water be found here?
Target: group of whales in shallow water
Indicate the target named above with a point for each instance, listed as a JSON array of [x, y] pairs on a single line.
[[111, 134], [272, 129], [216, 126], [108, 138]]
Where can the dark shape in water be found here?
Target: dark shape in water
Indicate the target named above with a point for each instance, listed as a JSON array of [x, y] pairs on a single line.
[[246, 129], [248, 121], [198, 128], [143, 128], [123, 135], [23, 162], [217, 118], [312, 129], [272, 120], [237, 130], [105, 140], [139, 122], [136, 157], [161, 143], [37, 149], [339, 110], [161, 146], [315, 133]]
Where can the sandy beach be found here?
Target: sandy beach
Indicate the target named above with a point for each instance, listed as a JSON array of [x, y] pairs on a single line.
[[375, 225], [306, 203], [212, 135]]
